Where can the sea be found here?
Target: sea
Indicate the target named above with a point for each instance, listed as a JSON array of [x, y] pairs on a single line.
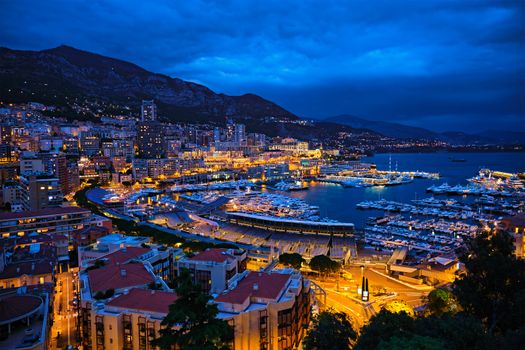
[[336, 202]]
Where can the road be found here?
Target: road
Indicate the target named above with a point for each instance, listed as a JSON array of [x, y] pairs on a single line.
[[65, 314], [341, 293]]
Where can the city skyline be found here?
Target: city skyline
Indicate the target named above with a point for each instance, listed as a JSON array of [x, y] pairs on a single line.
[[443, 66]]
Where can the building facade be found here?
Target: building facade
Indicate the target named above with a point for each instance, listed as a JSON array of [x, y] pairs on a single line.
[[150, 140], [53, 221]]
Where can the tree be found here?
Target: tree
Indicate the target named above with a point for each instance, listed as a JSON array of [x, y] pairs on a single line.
[[99, 295], [7, 206], [458, 332], [383, 326], [397, 306], [493, 287], [96, 265], [191, 322], [323, 264], [414, 342], [294, 260], [330, 331], [155, 286], [441, 301]]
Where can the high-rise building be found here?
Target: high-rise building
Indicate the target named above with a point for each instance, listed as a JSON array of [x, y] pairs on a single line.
[[148, 111], [240, 133], [150, 140], [67, 173], [12, 194], [216, 134], [40, 192], [5, 133], [90, 145], [5, 152], [230, 131], [118, 148], [31, 164], [71, 146]]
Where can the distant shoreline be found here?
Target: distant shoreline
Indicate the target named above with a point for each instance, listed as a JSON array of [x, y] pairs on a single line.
[[496, 149]]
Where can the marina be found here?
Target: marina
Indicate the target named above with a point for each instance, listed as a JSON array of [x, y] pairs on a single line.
[[271, 214]]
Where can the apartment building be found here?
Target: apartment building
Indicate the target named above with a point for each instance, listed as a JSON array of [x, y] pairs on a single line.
[[131, 320], [159, 259], [40, 192], [52, 221], [117, 310], [267, 310], [214, 269]]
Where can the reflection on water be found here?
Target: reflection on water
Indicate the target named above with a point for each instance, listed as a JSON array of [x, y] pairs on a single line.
[[338, 203]]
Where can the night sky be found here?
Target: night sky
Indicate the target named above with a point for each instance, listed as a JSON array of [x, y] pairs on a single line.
[[444, 65]]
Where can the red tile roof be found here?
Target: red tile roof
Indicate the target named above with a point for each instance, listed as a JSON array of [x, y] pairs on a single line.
[[125, 254], [145, 300], [41, 213], [111, 276], [258, 285], [25, 240], [41, 238], [213, 254], [40, 267], [89, 234], [59, 237]]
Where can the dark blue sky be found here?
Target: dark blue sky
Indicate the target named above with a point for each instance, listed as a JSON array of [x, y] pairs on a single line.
[[445, 65]]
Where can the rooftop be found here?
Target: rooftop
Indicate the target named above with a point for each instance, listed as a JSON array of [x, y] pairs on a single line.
[[43, 213], [40, 267], [145, 300], [291, 221], [118, 276], [264, 285], [91, 230], [514, 221], [125, 254], [213, 254], [116, 238], [14, 307]]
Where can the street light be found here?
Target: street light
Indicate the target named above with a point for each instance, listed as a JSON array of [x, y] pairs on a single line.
[[361, 287]]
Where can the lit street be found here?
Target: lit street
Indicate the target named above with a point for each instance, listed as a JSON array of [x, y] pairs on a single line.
[[342, 293], [64, 327]]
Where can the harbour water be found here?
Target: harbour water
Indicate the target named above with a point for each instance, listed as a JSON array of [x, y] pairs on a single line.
[[339, 203]]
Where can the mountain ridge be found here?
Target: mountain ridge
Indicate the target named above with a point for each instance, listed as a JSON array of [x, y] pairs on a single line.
[[73, 79], [82, 73], [399, 130]]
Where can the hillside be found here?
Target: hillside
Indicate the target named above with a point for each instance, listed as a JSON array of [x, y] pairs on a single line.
[[64, 75], [401, 131]]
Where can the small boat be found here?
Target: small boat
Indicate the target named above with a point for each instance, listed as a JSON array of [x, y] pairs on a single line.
[[457, 160]]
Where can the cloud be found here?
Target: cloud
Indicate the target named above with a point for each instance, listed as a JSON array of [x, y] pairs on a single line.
[[382, 59]]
